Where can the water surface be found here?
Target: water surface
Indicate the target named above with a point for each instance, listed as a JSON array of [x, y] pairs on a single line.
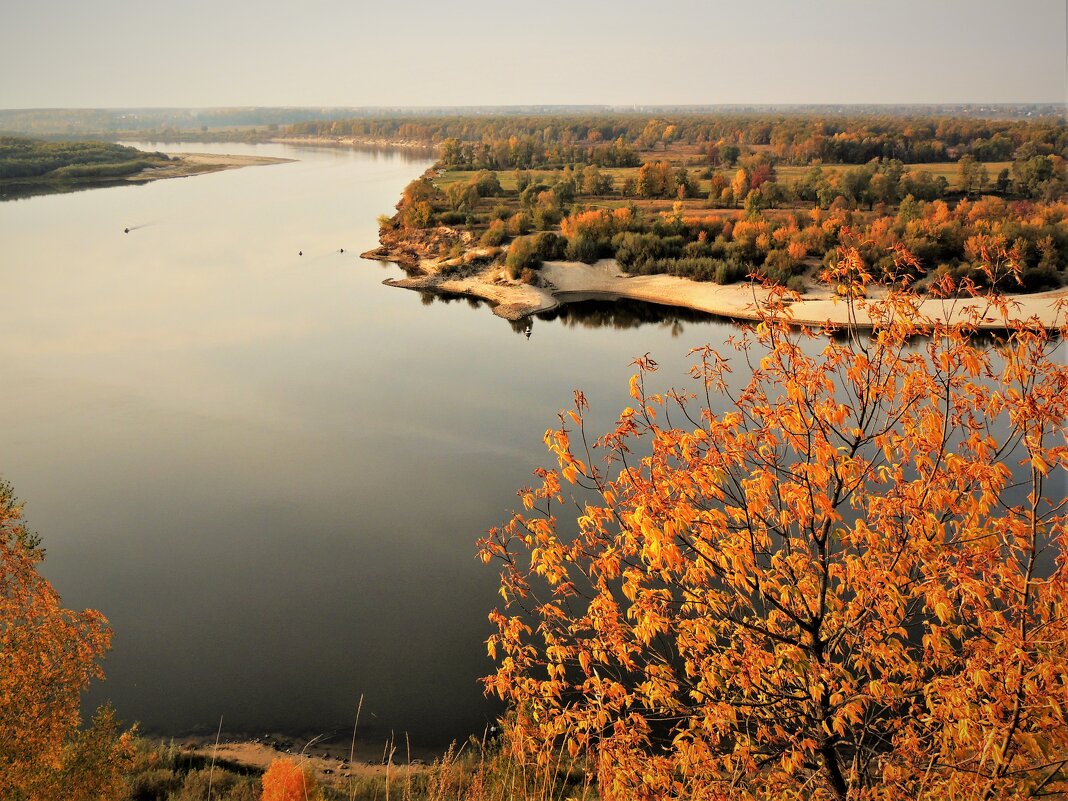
[[268, 470]]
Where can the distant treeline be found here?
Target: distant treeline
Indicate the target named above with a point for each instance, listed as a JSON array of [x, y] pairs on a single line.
[[30, 158], [522, 142], [84, 122], [104, 122]]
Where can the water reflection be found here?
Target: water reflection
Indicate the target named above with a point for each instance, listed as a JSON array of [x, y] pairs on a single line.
[[599, 311], [593, 311], [23, 191]]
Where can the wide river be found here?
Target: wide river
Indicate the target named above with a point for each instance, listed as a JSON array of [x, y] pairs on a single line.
[[269, 470]]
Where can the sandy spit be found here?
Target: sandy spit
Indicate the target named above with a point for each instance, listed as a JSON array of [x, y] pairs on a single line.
[[819, 306], [197, 163]]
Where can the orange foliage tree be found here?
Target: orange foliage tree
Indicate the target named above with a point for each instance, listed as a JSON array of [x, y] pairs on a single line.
[[839, 576], [287, 780], [48, 655]]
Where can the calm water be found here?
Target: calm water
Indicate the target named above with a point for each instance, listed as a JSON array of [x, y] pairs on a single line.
[[269, 470]]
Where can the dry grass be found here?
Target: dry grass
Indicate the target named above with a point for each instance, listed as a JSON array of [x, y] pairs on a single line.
[[475, 771]]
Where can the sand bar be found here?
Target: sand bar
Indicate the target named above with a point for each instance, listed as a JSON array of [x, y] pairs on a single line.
[[561, 280], [197, 163]]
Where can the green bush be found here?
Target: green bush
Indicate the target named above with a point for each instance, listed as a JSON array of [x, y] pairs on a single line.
[[583, 248], [487, 184], [728, 272], [100, 170], [520, 224], [522, 255], [494, 235], [550, 246], [452, 218], [633, 250]]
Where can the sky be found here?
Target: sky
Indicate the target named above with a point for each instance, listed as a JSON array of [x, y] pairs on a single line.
[[206, 53]]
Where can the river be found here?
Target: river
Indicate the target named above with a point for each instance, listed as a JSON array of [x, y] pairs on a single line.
[[268, 470]]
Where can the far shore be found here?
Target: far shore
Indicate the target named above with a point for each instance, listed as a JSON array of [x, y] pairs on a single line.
[[563, 281], [355, 141]]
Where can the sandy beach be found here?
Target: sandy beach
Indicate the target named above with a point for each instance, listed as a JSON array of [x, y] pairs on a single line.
[[568, 280], [197, 163]]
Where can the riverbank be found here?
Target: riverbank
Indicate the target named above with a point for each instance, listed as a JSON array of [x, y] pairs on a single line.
[[334, 755], [354, 141], [559, 282]]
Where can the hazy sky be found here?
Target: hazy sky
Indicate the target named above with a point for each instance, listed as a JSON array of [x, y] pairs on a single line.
[[494, 52]]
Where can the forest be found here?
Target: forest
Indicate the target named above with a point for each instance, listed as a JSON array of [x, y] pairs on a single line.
[[723, 198]]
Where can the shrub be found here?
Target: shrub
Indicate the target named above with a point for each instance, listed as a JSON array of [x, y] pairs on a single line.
[[583, 248], [520, 224], [730, 272], [550, 246], [451, 218], [633, 250], [285, 780], [494, 235], [522, 254]]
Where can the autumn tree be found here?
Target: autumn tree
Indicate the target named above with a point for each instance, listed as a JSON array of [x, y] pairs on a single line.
[[740, 185], [656, 179], [461, 197], [48, 656], [836, 570]]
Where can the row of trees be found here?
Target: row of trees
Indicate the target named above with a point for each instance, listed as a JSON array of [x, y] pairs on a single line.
[[526, 152], [607, 139]]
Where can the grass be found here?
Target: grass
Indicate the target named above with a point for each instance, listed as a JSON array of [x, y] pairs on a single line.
[[477, 771]]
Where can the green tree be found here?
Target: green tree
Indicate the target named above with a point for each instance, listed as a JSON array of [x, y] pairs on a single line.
[[971, 174]]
